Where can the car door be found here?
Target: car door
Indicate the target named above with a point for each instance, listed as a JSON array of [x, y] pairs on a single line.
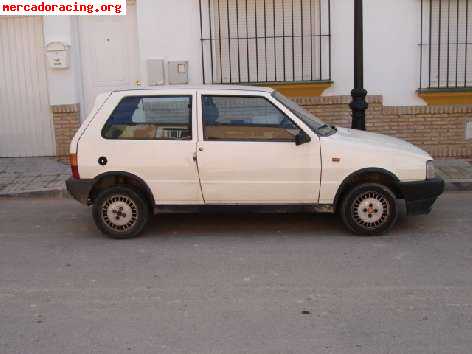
[[247, 152], [149, 134]]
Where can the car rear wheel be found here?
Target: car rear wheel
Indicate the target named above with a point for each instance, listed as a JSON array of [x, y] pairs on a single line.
[[120, 212], [369, 209]]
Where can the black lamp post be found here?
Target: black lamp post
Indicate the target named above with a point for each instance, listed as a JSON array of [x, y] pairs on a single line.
[[358, 104]]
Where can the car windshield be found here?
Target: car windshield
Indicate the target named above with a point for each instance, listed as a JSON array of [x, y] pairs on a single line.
[[317, 125]]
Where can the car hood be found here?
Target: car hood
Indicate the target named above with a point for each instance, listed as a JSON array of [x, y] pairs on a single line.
[[379, 142]]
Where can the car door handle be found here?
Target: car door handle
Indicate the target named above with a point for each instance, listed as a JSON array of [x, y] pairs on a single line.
[[200, 149]]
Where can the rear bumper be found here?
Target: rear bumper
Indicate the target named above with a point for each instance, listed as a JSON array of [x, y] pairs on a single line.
[[80, 189], [420, 196]]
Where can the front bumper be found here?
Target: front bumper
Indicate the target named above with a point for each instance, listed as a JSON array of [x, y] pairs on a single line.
[[421, 195], [80, 189]]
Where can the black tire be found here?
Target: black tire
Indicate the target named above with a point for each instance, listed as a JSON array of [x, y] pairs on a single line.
[[369, 209], [120, 212]]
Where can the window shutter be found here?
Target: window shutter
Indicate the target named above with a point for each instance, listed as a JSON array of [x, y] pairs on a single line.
[[245, 41]]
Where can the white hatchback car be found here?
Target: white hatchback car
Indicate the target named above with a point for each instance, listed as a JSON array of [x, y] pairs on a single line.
[[148, 150]]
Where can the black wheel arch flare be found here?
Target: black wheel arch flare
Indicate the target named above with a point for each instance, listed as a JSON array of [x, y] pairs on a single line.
[[365, 175], [137, 182]]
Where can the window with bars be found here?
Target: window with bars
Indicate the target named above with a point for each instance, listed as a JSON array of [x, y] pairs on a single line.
[[254, 41], [446, 44]]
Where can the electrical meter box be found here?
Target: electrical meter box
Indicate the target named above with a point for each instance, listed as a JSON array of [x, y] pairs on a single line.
[[177, 72], [468, 130], [155, 72], [58, 55]]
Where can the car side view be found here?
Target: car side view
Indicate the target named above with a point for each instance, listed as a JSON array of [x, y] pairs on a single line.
[[143, 151]]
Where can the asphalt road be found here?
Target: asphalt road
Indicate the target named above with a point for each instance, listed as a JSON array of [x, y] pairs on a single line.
[[234, 283]]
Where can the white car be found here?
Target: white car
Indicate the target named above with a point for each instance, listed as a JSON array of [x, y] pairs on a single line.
[[143, 151]]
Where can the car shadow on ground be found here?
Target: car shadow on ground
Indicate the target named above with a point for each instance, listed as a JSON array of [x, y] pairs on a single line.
[[254, 224], [243, 224]]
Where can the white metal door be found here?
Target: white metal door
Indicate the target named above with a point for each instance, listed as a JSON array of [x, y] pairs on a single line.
[[25, 116], [109, 52]]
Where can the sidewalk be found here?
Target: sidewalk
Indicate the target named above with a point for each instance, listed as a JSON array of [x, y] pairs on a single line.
[[32, 176], [456, 173], [45, 176]]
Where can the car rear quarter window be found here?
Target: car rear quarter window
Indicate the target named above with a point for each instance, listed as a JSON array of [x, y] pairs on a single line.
[[245, 118], [151, 118]]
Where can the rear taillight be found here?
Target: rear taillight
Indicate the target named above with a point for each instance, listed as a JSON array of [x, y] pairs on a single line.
[[74, 166]]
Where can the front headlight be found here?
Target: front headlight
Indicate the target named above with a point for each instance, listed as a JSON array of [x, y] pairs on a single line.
[[430, 174]]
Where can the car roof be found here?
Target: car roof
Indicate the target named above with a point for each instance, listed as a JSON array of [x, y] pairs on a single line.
[[199, 87]]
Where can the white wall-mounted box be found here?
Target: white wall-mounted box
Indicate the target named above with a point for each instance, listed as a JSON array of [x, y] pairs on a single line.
[[58, 55], [468, 130], [155, 72], [177, 72]]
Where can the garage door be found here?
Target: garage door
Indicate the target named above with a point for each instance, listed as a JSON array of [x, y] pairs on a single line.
[[26, 121]]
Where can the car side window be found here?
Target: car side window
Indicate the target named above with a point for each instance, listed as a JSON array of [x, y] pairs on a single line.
[[151, 118], [246, 118]]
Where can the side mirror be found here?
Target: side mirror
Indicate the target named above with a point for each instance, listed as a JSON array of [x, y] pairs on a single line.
[[302, 138]]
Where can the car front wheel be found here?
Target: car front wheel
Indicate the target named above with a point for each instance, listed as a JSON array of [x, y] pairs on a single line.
[[120, 212], [369, 209]]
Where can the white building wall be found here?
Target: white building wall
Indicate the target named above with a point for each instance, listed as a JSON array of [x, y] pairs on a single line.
[[342, 47], [392, 55], [170, 30], [64, 84]]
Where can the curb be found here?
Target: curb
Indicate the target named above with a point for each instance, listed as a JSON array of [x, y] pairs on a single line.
[[456, 186], [53, 193]]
